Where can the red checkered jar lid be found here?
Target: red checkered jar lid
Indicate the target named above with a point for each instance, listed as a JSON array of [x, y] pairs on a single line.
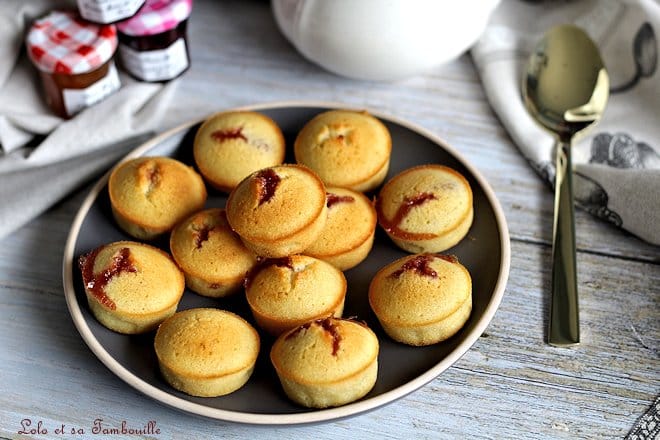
[[62, 42], [156, 16]]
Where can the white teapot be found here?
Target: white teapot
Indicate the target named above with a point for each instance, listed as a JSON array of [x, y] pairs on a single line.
[[381, 39]]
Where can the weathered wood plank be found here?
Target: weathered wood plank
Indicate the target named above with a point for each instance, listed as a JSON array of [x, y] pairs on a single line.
[[510, 383]]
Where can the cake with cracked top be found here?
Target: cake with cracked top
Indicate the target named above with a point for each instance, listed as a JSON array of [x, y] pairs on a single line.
[[131, 287], [149, 195], [212, 256], [422, 299], [278, 211], [346, 148], [427, 208], [230, 145], [326, 362], [286, 292], [349, 231]]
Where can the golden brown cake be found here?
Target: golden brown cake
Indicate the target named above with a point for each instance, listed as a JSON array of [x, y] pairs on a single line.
[[131, 287], [345, 148], [231, 145], [206, 352], [427, 208], [278, 211], [422, 299], [149, 195], [286, 292], [326, 362], [212, 256], [349, 230]]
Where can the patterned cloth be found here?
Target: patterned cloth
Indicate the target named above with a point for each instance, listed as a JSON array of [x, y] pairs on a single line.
[[62, 42], [617, 161], [156, 16], [648, 426]]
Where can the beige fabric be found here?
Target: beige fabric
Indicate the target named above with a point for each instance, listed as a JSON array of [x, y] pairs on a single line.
[[617, 162]]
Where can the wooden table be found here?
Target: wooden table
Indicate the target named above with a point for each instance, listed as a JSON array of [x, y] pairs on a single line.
[[510, 384]]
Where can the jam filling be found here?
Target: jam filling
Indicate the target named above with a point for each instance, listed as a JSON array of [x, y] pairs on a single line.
[[201, 231], [421, 264], [328, 325], [230, 133], [263, 263], [409, 203], [333, 199], [149, 176], [95, 283], [201, 234], [267, 182]]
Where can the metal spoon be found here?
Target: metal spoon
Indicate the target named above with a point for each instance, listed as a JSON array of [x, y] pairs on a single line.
[[565, 89]]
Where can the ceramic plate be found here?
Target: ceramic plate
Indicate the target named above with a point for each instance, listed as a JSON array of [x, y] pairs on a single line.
[[402, 369]]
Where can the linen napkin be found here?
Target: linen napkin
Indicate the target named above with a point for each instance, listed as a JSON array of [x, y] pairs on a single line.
[[43, 157], [617, 162]]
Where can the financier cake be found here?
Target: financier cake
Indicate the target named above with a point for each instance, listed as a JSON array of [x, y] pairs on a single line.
[[349, 149], [213, 258], [206, 352], [326, 362], [349, 231], [230, 145], [131, 287], [286, 292], [278, 211], [149, 195], [427, 208], [422, 299]]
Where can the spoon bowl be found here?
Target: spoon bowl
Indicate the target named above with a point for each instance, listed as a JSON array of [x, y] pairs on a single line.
[[565, 89]]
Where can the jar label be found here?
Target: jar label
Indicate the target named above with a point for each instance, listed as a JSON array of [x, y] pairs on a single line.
[[108, 11], [156, 65], [77, 99]]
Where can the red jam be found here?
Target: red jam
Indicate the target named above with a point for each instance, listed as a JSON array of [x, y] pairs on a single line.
[[409, 203], [263, 263], [231, 133], [95, 283], [421, 264], [201, 234], [149, 175], [202, 231], [333, 199], [328, 325], [267, 181]]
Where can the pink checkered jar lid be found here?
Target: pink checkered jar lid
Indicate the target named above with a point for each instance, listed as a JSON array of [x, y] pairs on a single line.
[[62, 42], [156, 16]]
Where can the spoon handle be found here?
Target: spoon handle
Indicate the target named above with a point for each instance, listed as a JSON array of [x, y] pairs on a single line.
[[564, 314]]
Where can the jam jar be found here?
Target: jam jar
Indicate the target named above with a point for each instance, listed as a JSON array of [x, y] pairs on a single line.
[[74, 59], [108, 11], [153, 44]]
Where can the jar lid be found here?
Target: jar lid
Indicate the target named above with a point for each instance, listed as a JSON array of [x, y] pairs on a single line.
[[156, 16], [62, 42]]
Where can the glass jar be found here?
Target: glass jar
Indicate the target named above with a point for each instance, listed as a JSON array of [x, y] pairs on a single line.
[[108, 11], [153, 44], [74, 59]]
